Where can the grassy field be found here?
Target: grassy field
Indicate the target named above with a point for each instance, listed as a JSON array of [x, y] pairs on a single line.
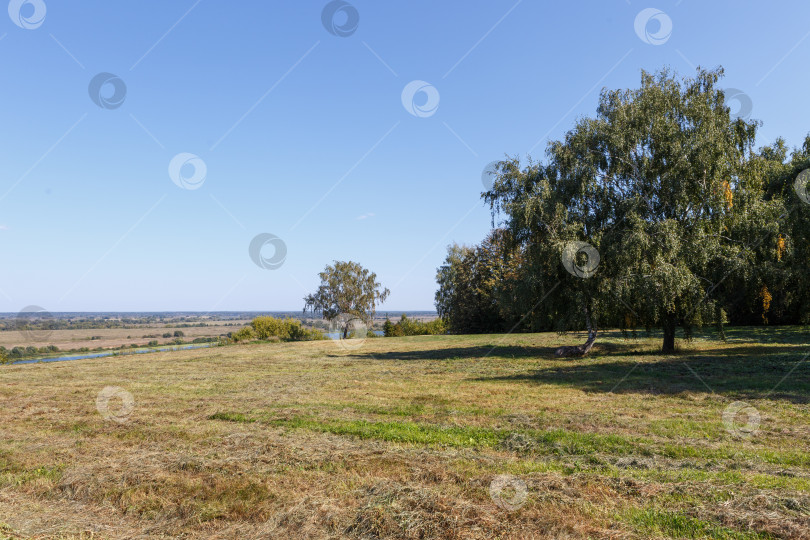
[[423, 437], [110, 337]]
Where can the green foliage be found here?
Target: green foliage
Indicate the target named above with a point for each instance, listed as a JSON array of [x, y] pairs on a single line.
[[477, 288], [265, 327], [664, 184], [347, 293], [287, 329], [205, 340], [413, 327], [244, 334]]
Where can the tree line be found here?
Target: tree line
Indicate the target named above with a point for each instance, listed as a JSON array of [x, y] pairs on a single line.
[[658, 212]]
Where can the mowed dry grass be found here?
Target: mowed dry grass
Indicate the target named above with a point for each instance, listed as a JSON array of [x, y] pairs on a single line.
[[402, 438]]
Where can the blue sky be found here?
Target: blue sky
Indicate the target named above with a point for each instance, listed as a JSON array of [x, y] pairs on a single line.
[[304, 134]]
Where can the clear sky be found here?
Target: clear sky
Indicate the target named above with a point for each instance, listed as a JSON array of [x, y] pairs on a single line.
[[300, 130]]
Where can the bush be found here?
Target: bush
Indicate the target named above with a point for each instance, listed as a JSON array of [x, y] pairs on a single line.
[[412, 327], [152, 343], [287, 329], [264, 327], [178, 333], [245, 334], [273, 329]]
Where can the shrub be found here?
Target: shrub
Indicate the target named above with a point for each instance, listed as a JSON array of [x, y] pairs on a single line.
[[273, 329], [178, 333], [316, 335], [412, 327], [245, 334], [264, 327], [284, 329]]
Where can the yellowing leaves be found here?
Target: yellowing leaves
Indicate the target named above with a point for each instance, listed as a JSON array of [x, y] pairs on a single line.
[[728, 195], [765, 294]]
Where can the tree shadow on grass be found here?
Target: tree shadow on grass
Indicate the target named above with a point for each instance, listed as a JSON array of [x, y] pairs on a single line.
[[456, 353], [751, 372]]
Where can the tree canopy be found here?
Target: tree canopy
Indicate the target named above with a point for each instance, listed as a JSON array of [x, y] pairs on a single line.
[[652, 213], [347, 293]]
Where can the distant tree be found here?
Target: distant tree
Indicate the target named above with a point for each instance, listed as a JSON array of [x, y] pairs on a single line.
[[413, 327], [347, 293], [4, 358], [388, 328], [178, 333]]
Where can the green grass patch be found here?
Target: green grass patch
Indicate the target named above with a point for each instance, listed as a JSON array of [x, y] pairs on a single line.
[[675, 525], [556, 441], [15, 476]]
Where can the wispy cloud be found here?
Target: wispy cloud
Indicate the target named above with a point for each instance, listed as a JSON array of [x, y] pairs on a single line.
[[3, 227], [365, 216]]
